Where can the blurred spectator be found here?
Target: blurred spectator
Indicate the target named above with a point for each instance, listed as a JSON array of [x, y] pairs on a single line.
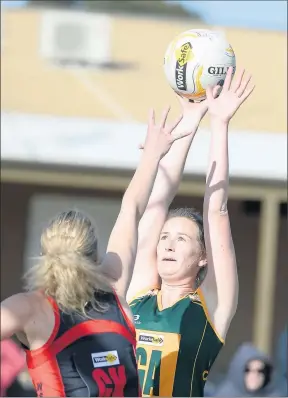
[[209, 389], [251, 374], [12, 363], [281, 359]]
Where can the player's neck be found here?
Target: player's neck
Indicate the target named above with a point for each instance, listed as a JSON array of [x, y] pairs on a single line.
[[172, 293]]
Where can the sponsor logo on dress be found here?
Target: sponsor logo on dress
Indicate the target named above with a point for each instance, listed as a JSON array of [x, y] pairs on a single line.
[[151, 339], [107, 358], [137, 319]]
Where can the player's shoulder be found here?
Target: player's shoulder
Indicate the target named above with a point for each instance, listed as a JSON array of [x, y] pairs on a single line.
[[19, 299], [20, 306], [144, 294]]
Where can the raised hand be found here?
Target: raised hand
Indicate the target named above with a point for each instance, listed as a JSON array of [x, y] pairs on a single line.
[[192, 110], [159, 136], [231, 97], [193, 113], [195, 110]]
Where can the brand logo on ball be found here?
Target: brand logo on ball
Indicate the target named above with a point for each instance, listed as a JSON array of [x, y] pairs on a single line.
[[219, 70], [229, 52], [183, 56]]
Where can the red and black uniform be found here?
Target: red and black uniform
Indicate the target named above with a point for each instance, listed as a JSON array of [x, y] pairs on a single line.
[[87, 357]]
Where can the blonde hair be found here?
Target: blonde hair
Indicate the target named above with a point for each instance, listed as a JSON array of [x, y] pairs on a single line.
[[67, 267]]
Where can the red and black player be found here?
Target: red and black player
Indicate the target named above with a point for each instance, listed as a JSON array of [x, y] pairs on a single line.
[[73, 319]]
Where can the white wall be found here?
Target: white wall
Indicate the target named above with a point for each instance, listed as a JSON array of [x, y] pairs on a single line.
[[42, 207]]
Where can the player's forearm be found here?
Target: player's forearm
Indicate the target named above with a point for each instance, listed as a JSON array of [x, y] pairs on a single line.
[[217, 179], [140, 187], [172, 165]]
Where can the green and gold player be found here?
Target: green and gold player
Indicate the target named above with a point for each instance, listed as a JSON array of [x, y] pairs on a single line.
[[185, 266]]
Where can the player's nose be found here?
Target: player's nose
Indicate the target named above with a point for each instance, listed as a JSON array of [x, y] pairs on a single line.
[[170, 247]]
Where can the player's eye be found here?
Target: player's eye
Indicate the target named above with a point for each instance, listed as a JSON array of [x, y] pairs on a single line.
[[181, 239], [163, 237]]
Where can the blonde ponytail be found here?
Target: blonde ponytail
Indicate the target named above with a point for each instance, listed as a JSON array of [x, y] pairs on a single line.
[[67, 270], [70, 279]]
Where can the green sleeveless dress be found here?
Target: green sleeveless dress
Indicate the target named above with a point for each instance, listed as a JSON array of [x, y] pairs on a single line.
[[176, 346]]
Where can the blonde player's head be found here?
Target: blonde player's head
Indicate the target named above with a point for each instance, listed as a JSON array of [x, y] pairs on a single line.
[[181, 253], [68, 269]]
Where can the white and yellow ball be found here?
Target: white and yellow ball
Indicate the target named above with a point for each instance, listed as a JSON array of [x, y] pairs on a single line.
[[196, 59]]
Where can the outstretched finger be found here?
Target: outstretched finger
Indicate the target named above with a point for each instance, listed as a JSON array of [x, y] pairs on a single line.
[[228, 79], [165, 114], [243, 86], [209, 93], [247, 93], [151, 117], [174, 124], [238, 81], [216, 91]]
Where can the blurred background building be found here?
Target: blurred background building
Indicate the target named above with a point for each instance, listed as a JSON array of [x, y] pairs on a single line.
[[77, 80]]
